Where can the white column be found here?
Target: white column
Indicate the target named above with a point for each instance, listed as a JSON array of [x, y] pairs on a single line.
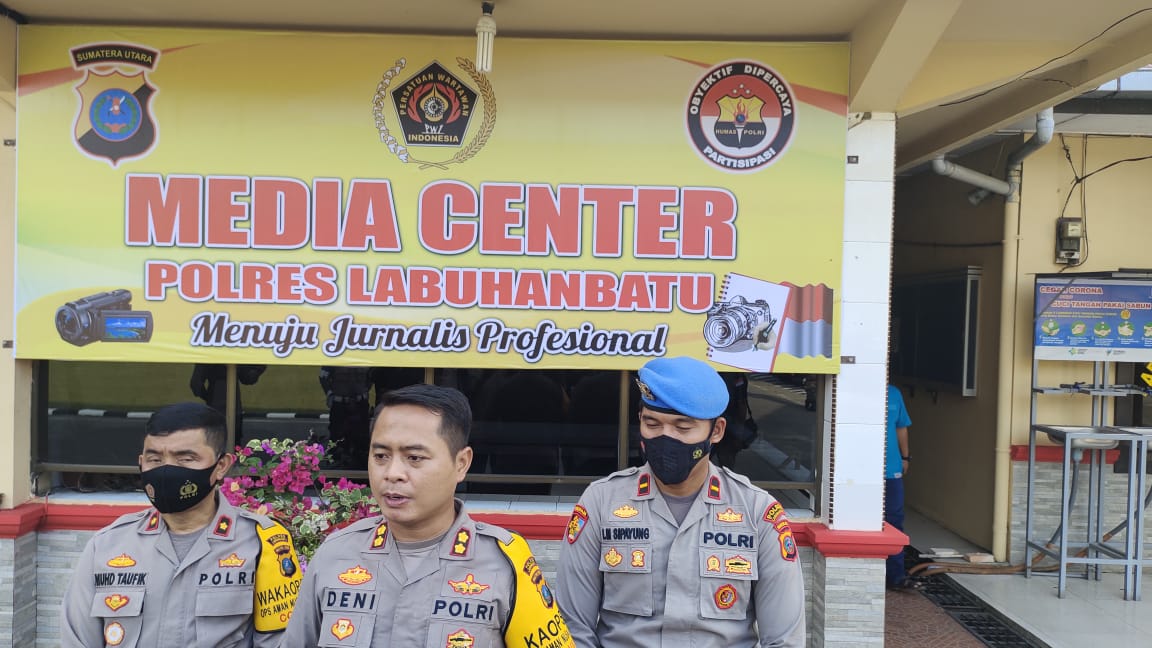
[[855, 477], [15, 377]]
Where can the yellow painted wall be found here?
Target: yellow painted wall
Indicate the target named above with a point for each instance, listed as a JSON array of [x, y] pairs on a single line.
[[1117, 206], [952, 438]]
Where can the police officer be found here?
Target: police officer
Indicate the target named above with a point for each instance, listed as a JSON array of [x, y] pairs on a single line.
[[191, 571], [679, 552], [424, 573]]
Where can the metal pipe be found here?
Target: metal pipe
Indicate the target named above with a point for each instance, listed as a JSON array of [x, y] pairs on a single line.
[[1006, 372], [974, 178]]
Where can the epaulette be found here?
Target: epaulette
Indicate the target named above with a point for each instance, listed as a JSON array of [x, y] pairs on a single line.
[[263, 521], [130, 518], [493, 531], [743, 479], [619, 473], [359, 526]]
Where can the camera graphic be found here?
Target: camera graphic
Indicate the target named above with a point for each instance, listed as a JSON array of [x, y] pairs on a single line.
[[103, 317], [736, 320]]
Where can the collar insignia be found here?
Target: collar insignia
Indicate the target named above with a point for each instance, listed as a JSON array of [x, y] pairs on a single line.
[[714, 487], [467, 586], [223, 526], [462, 542], [643, 485], [153, 522], [380, 536]]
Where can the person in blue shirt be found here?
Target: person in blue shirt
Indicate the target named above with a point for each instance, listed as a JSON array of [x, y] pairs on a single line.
[[895, 467]]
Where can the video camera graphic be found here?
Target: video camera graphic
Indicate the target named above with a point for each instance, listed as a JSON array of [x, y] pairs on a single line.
[[103, 317]]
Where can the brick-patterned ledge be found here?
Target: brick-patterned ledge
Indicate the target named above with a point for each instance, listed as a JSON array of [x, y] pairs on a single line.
[[42, 516], [1055, 454]]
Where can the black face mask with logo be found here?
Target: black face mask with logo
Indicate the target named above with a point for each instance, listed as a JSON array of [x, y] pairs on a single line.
[[175, 489], [671, 460]]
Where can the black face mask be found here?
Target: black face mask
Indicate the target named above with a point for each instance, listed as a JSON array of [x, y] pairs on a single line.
[[671, 460], [174, 489]]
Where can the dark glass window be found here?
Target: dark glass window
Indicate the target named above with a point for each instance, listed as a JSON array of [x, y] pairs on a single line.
[[535, 432]]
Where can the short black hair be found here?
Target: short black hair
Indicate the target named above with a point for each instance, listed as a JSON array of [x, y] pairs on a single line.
[[450, 404], [191, 416]]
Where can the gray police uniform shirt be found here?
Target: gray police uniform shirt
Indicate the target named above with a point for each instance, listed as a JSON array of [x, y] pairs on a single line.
[[727, 577], [129, 590], [358, 592]]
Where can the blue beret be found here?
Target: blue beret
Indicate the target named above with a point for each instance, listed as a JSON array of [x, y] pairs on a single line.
[[683, 385]]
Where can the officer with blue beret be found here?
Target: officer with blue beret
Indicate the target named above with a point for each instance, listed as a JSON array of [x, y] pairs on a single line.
[[680, 552]]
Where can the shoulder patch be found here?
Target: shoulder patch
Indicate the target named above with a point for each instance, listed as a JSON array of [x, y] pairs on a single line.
[[577, 523]]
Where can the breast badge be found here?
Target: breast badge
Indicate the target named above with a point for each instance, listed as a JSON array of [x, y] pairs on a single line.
[[355, 576], [115, 601], [113, 634], [343, 629], [613, 557], [626, 512], [122, 561], [460, 639], [468, 586], [232, 561], [730, 516], [725, 597]]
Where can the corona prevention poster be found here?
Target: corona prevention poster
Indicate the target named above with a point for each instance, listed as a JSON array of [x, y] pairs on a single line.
[[228, 196]]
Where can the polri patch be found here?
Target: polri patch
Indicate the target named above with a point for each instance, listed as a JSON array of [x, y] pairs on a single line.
[[577, 522], [468, 586]]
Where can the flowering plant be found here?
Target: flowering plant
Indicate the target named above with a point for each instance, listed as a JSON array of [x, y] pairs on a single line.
[[274, 477]]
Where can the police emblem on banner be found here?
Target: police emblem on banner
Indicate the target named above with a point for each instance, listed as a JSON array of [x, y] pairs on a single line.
[[429, 118], [114, 121], [741, 116]]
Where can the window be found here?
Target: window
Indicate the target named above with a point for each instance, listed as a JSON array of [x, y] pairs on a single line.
[[535, 432]]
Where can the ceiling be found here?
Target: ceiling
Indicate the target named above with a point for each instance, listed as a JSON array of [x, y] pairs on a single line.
[[953, 70]]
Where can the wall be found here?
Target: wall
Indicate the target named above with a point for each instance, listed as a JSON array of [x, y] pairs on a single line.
[[952, 438]]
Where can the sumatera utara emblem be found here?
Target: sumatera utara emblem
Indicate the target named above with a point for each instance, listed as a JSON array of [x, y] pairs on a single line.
[[114, 120]]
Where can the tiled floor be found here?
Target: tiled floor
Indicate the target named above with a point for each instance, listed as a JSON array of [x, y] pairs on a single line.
[[1092, 613]]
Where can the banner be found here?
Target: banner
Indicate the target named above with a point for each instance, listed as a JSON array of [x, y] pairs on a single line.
[[1093, 318], [227, 196]]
